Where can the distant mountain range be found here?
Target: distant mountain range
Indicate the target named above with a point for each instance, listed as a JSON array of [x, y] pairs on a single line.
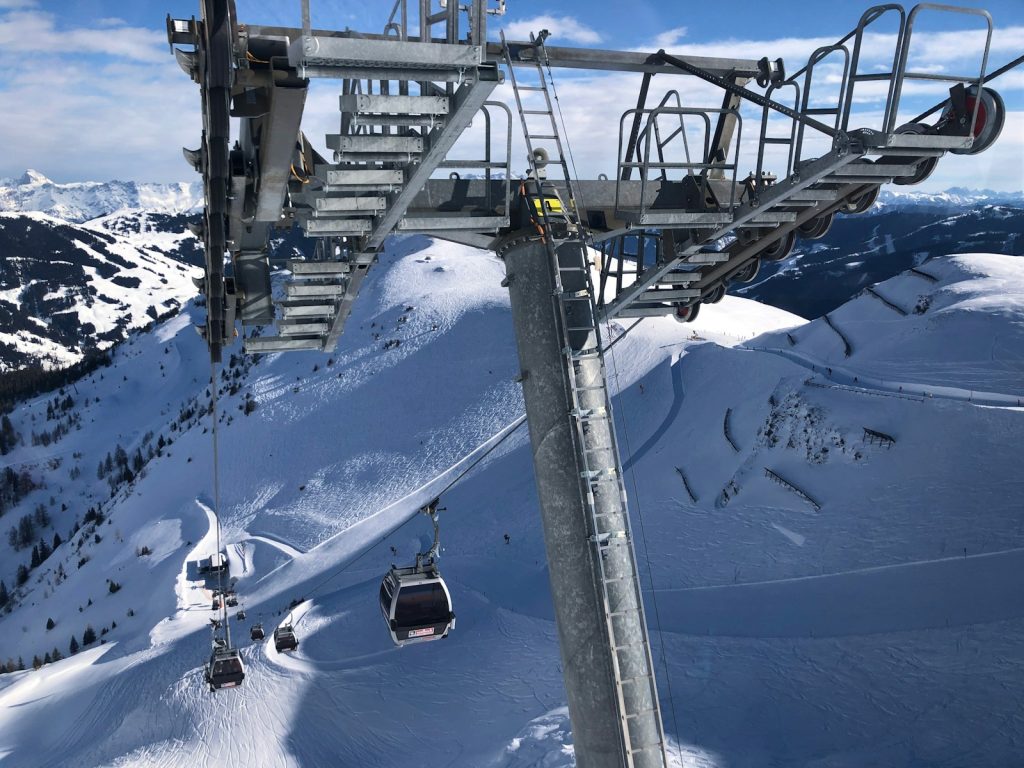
[[82, 201], [82, 264]]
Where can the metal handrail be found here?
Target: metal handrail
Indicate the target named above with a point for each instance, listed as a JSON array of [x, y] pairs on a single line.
[[488, 164], [902, 74], [645, 165], [765, 140], [816, 58], [870, 16]]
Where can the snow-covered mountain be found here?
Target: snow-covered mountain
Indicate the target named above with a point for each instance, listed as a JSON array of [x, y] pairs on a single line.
[[826, 518], [954, 197], [69, 288], [82, 201], [901, 231]]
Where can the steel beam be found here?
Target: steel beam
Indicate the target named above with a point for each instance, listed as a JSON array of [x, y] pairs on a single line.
[[622, 61]]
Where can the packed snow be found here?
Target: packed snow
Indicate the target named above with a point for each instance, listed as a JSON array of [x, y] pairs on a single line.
[[816, 595]]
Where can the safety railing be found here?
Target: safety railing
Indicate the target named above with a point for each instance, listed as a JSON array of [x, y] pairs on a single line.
[[820, 56], [489, 164], [650, 138]]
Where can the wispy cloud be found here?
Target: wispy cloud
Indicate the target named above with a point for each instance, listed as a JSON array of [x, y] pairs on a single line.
[[670, 38], [36, 32], [563, 29], [119, 113]]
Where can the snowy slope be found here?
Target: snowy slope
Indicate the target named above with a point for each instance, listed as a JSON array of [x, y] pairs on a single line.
[[82, 201], [66, 288], [881, 627]]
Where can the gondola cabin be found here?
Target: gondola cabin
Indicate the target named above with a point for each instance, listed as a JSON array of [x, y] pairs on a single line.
[[416, 605], [285, 639], [225, 669], [256, 633]]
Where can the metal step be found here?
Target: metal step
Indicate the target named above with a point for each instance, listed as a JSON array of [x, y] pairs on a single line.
[[773, 217], [677, 278], [665, 217], [294, 309], [337, 226], [878, 170], [281, 344], [363, 104], [708, 257], [337, 204], [299, 328], [312, 290], [398, 121], [375, 144], [926, 141], [662, 294], [645, 310], [826, 195], [436, 223], [301, 268], [342, 177]]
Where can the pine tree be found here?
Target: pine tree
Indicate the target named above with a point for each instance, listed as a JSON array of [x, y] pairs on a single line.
[[56, 655], [22, 576], [46, 658], [57, 540], [21, 664], [89, 636], [74, 646], [3, 668], [4, 597], [50, 624], [36, 662], [35, 557]]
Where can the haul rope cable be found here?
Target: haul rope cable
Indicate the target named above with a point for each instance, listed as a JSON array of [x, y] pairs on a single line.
[[647, 559], [512, 428], [216, 505]]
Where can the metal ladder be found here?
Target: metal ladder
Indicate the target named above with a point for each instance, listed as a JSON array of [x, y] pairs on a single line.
[[590, 404], [532, 136]]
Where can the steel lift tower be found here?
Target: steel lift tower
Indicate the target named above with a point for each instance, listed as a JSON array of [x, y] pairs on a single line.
[[674, 227]]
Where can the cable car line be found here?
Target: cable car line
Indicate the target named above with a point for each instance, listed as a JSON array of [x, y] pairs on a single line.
[[225, 668], [510, 430], [647, 557]]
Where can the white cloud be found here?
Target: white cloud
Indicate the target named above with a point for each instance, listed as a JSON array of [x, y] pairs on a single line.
[[122, 113], [563, 29], [9, 4], [36, 32], [669, 38]]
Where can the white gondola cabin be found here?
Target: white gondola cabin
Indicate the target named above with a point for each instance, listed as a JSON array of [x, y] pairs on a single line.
[[416, 604], [225, 669], [285, 639]]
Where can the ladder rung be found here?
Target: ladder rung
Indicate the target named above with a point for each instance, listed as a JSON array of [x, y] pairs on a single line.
[[543, 136], [634, 678], [530, 88], [536, 112], [641, 712], [778, 141]]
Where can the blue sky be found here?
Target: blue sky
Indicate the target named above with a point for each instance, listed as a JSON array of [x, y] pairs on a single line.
[[93, 93]]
